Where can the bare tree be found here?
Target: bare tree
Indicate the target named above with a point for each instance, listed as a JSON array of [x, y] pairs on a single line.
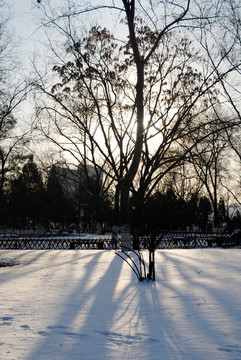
[[208, 159], [12, 94], [89, 75]]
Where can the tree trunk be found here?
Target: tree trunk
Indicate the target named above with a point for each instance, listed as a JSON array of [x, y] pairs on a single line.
[[129, 176], [117, 206], [127, 180]]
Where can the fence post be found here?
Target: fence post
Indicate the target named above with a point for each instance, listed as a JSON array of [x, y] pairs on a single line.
[[151, 275], [136, 240]]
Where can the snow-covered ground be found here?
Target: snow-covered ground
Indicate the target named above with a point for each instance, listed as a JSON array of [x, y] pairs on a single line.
[[86, 305]]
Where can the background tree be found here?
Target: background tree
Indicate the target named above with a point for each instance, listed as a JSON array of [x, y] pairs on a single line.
[[13, 91], [164, 211], [208, 161], [59, 209], [27, 196], [204, 210]]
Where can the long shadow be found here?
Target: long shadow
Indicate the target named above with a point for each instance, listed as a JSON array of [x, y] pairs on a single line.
[[199, 306], [97, 309], [83, 317], [25, 258]]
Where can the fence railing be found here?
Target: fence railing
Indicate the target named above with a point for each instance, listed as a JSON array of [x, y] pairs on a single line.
[[165, 240], [184, 240]]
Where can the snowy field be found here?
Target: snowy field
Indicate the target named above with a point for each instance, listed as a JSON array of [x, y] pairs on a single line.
[[86, 305]]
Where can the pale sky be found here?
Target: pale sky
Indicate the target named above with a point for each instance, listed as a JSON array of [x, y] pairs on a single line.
[[26, 18], [22, 17], [24, 23]]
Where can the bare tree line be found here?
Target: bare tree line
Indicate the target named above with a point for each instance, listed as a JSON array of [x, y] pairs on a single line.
[[144, 108]]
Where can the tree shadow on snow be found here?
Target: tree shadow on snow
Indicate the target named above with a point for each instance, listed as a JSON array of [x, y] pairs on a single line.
[[83, 328], [96, 308]]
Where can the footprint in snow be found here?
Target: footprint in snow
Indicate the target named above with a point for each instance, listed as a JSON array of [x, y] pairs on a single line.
[[57, 327], [6, 320], [65, 330], [126, 339], [61, 330], [43, 333], [25, 327], [231, 348]]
